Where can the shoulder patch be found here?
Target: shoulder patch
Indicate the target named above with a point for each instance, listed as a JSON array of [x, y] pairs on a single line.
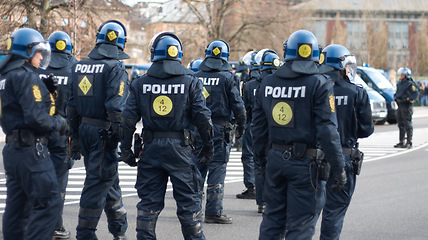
[[332, 105], [37, 94]]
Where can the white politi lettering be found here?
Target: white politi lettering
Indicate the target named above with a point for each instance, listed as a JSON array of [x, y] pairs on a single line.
[[163, 88], [285, 92], [341, 100], [209, 81], [89, 68]]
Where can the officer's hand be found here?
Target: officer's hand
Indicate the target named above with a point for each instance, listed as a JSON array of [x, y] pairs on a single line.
[[63, 125], [206, 154], [339, 180], [75, 149], [127, 156], [240, 129], [51, 83]]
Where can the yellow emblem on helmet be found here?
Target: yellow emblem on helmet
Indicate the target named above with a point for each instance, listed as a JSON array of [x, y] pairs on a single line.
[[173, 51], [60, 45], [111, 35], [332, 105], [9, 44], [305, 50], [37, 94], [322, 58], [216, 51], [276, 62]]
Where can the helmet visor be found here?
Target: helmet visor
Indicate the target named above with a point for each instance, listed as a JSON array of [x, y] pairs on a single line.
[[259, 55], [44, 49], [349, 63], [247, 58]]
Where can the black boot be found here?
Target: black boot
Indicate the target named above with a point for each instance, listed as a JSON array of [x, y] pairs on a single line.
[[400, 145], [249, 193], [222, 219]]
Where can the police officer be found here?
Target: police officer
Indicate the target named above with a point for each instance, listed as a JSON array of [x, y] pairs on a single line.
[[294, 110], [170, 102], [247, 152], [354, 120], [268, 62], [56, 77], [222, 98], [406, 94], [27, 118], [99, 91], [194, 64]]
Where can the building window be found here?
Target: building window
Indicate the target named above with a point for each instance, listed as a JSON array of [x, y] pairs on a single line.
[[356, 35], [83, 23], [64, 21], [398, 35]]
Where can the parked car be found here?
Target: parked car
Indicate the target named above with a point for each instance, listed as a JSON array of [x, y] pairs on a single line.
[[377, 102], [374, 79]]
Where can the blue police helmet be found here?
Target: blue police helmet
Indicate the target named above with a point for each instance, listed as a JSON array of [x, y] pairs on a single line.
[[112, 32], [26, 42], [267, 59], [218, 49], [194, 64], [332, 55], [249, 59], [405, 71], [165, 45], [60, 42], [301, 45]]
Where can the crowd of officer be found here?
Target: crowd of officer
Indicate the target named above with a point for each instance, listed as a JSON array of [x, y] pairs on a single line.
[[300, 123]]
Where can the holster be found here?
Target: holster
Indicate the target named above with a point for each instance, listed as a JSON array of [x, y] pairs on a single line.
[[357, 160], [107, 137], [323, 169]]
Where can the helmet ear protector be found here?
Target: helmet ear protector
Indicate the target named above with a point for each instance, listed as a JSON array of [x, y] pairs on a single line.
[[112, 21]]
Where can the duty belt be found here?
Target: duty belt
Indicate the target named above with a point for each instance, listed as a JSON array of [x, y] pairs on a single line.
[[310, 152], [25, 138], [96, 122], [170, 134]]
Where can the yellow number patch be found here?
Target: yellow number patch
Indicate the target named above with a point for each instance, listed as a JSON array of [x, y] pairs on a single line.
[[205, 93], [162, 105], [60, 45], [173, 51], [282, 113], [85, 85], [305, 50]]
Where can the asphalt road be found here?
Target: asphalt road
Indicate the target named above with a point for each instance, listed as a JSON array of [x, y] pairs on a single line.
[[390, 200]]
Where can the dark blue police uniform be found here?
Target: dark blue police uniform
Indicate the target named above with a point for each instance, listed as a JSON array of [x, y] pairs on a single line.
[[407, 92], [294, 111], [354, 121], [60, 67], [25, 119], [99, 91], [247, 159], [222, 98], [169, 103]]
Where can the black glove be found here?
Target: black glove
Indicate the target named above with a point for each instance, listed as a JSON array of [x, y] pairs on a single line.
[[63, 125], [240, 129], [206, 154], [75, 149], [339, 179], [127, 156], [51, 83]]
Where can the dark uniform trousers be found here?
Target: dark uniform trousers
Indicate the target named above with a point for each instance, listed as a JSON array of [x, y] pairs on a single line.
[[337, 203], [247, 157], [30, 177], [216, 171], [287, 182], [156, 164], [404, 120], [101, 190]]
